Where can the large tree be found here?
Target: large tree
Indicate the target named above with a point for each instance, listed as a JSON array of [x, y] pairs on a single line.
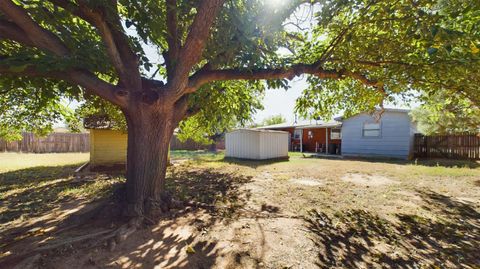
[[356, 54]]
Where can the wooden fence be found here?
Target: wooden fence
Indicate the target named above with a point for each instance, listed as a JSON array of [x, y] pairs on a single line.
[[465, 146], [68, 142], [56, 142]]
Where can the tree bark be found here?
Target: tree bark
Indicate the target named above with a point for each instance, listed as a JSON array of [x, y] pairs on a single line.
[[149, 131]]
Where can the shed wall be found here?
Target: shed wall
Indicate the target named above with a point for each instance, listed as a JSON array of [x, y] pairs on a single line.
[[256, 145], [395, 140], [242, 144], [273, 145], [107, 147]]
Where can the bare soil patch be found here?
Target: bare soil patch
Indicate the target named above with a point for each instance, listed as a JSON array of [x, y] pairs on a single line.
[[368, 180], [306, 181]]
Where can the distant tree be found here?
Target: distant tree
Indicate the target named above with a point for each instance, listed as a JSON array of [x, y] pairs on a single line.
[[30, 109], [357, 54], [276, 119], [447, 114]]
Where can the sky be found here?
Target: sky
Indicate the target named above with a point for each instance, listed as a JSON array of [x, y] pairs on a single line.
[[281, 102]]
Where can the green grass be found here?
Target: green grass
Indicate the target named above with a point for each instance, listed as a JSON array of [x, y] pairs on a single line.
[[16, 161], [295, 154], [91, 190], [34, 184], [200, 155]]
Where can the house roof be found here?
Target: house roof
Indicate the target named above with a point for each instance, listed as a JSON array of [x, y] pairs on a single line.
[[302, 125], [282, 126], [399, 110], [332, 124]]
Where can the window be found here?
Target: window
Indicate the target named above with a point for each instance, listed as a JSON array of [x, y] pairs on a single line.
[[336, 134], [371, 129], [297, 134], [310, 134]]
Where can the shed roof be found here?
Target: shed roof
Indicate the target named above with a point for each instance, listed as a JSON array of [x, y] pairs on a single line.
[[102, 122], [257, 130]]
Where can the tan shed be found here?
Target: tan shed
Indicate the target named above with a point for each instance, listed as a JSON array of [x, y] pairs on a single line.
[[108, 148], [255, 144]]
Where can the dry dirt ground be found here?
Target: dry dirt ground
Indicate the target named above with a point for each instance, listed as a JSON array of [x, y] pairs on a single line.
[[302, 213]]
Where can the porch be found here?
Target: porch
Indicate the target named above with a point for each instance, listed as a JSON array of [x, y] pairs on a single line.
[[318, 138]]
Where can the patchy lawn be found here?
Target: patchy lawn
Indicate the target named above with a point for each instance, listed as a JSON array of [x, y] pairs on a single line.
[[302, 213], [15, 161]]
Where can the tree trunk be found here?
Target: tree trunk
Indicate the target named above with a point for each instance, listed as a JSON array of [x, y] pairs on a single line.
[[149, 133]]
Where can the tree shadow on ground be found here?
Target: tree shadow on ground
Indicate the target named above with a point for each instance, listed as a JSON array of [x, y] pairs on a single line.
[[361, 239], [213, 198], [35, 191], [178, 240], [448, 163], [39, 199], [253, 163], [218, 190]]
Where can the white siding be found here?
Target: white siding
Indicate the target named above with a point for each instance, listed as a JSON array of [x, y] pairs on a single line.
[[242, 144], [395, 140], [273, 145], [256, 144]]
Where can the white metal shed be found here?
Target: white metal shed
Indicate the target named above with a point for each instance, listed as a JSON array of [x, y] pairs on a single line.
[[256, 144]]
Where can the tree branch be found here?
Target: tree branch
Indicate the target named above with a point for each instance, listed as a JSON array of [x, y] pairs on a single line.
[[123, 59], [173, 39], [79, 77], [203, 77], [191, 52], [41, 37], [9, 30], [25, 30]]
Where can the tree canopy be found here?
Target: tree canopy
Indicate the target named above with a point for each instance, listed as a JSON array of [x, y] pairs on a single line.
[[355, 53], [158, 63], [275, 119]]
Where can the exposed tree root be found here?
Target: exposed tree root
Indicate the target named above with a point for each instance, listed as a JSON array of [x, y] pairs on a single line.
[[107, 211], [82, 217], [71, 241]]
